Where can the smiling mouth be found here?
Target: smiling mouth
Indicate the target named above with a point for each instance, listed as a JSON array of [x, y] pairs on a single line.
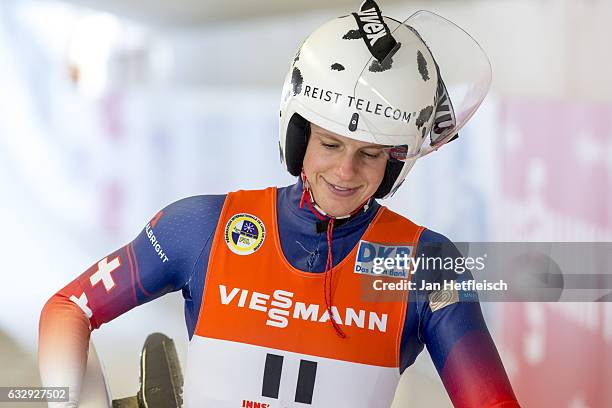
[[339, 190]]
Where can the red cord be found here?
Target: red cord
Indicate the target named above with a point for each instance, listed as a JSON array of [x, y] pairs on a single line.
[[329, 270], [329, 265]]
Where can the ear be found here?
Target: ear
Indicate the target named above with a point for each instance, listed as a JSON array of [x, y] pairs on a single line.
[[298, 134], [392, 171]]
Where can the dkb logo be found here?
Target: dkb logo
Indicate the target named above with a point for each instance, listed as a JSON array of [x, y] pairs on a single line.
[[369, 251]]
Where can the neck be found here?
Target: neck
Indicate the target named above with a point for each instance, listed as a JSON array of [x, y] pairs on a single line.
[[292, 196]]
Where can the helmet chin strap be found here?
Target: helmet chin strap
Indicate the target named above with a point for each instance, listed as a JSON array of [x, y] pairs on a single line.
[[308, 198]]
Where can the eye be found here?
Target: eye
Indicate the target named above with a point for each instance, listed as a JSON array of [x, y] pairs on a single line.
[[329, 145], [370, 155]]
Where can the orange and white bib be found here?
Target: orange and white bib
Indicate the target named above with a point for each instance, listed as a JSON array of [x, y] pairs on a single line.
[[263, 337]]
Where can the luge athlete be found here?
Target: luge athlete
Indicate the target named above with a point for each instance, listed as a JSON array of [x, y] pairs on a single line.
[[279, 304]]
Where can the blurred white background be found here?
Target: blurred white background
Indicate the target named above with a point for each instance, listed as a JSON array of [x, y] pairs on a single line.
[[110, 110]]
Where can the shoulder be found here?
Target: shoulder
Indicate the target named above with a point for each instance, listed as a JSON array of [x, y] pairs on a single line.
[[173, 239], [433, 243], [189, 213], [193, 207], [440, 260], [429, 236], [186, 222]]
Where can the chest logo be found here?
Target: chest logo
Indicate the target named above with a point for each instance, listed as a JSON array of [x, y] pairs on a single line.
[[244, 234], [375, 259]]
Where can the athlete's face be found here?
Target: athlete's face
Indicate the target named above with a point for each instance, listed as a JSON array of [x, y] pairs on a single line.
[[342, 172]]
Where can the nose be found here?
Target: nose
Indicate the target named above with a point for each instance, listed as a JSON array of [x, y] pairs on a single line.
[[346, 167]]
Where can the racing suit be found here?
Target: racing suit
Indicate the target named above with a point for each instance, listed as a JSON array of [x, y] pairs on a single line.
[[173, 253]]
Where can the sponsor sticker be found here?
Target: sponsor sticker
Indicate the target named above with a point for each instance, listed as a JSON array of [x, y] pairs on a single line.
[[439, 299], [383, 260], [452, 293], [244, 234]]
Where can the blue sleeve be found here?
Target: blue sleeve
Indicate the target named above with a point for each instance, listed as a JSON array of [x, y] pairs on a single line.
[[167, 251], [161, 259], [455, 334]]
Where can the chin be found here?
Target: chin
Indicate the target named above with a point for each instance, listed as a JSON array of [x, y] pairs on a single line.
[[336, 206], [339, 210], [337, 213]]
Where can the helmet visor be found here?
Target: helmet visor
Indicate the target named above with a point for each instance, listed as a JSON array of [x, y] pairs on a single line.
[[426, 88]]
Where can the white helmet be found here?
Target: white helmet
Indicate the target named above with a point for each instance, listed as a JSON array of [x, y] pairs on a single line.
[[374, 79]]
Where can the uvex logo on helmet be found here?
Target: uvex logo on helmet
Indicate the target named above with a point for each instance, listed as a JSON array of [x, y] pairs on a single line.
[[374, 31], [372, 25]]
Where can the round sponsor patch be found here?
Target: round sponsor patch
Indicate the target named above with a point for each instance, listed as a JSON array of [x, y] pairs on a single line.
[[244, 234]]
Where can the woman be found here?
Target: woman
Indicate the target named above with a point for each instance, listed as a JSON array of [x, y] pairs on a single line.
[[280, 299]]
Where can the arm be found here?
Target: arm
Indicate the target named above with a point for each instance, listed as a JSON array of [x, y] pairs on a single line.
[[457, 337], [158, 261], [64, 332]]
